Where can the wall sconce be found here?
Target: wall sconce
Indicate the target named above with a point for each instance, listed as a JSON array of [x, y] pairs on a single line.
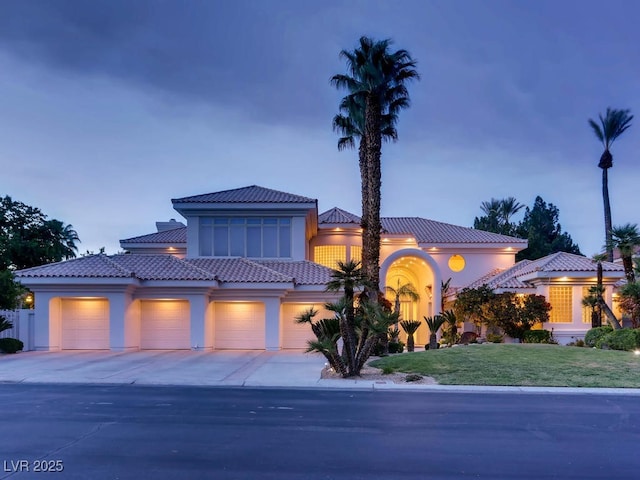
[[429, 290]]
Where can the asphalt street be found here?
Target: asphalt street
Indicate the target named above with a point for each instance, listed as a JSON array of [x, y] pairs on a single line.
[[140, 432]]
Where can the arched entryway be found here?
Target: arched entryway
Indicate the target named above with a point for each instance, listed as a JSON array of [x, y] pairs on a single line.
[[416, 268]]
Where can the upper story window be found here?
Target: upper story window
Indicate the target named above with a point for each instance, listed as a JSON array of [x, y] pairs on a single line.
[[255, 237]]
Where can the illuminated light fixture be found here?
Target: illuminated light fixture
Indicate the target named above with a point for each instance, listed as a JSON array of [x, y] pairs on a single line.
[[29, 299], [433, 249], [409, 239], [509, 249], [338, 229], [385, 239], [636, 352], [172, 249], [456, 263], [563, 279]]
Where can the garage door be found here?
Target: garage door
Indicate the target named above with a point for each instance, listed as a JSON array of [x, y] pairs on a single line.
[[85, 323], [164, 325], [295, 335], [239, 326]]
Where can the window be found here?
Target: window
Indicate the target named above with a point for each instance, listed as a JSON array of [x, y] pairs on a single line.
[[256, 237], [456, 263], [561, 305], [586, 311], [328, 255], [356, 253]]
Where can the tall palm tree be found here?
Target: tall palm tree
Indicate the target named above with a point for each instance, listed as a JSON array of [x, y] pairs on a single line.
[[611, 126], [376, 86]]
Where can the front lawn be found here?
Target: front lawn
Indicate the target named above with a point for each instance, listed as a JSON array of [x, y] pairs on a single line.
[[521, 365]]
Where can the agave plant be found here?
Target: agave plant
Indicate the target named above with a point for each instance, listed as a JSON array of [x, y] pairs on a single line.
[[434, 323], [410, 327]]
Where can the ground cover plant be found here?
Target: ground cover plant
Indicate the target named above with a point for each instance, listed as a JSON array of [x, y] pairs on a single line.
[[521, 365]]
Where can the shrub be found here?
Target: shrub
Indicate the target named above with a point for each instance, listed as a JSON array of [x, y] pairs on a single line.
[[625, 339], [494, 338], [595, 334], [10, 345], [388, 370], [396, 347], [579, 343], [537, 336], [468, 337], [413, 377]]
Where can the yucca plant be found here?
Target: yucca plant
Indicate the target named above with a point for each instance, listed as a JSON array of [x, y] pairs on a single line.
[[434, 323], [410, 327]]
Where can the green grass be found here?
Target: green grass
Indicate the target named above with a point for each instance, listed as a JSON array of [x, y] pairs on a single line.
[[521, 365]]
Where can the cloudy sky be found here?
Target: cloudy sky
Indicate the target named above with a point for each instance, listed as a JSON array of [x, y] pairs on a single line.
[[110, 108]]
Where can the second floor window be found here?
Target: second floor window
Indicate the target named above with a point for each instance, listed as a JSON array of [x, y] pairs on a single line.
[[253, 237]]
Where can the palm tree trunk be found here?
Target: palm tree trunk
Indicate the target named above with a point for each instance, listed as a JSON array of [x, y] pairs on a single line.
[[611, 318], [371, 236], [627, 263], [410, 343], [607, 214], [600, 289], [433, 341]]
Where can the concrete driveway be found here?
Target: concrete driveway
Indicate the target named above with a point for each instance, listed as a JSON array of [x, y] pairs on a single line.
[[165, 367]]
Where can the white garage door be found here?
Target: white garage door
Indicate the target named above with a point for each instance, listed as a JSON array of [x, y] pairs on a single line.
[[85, 323], [295, 335], [239, 326], [164, 325]]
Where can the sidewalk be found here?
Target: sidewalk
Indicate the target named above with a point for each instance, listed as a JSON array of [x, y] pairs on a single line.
[[249, 368]]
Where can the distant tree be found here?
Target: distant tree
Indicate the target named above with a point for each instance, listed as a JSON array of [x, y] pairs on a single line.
[[497, 216], [611, 126], [376, 93], [29, 239], [543, 232], [626, 239]]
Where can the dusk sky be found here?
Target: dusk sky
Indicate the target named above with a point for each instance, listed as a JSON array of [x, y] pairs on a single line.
[[111, 108]]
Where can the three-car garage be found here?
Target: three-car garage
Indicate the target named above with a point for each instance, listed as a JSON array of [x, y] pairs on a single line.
[[165, 324]]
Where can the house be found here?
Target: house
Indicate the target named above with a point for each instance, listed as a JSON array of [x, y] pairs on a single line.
[[248, 261]]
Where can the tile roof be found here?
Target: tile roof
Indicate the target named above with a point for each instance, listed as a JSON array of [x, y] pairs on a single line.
[[169, 267], [84, 267], [568, 262], [503, 278], [141, 266], [510, 278], [430, 231], [160, 267], [239, 270], [251, 194], [337, 215], [303, 272], [176, 235]]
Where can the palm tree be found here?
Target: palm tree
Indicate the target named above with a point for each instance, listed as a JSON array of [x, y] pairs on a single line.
[[612, 125], [348, 278], [434, 323], [376, 86], [599, 290], [410, 327], [626, 239], [406, 290], [509, 207]]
